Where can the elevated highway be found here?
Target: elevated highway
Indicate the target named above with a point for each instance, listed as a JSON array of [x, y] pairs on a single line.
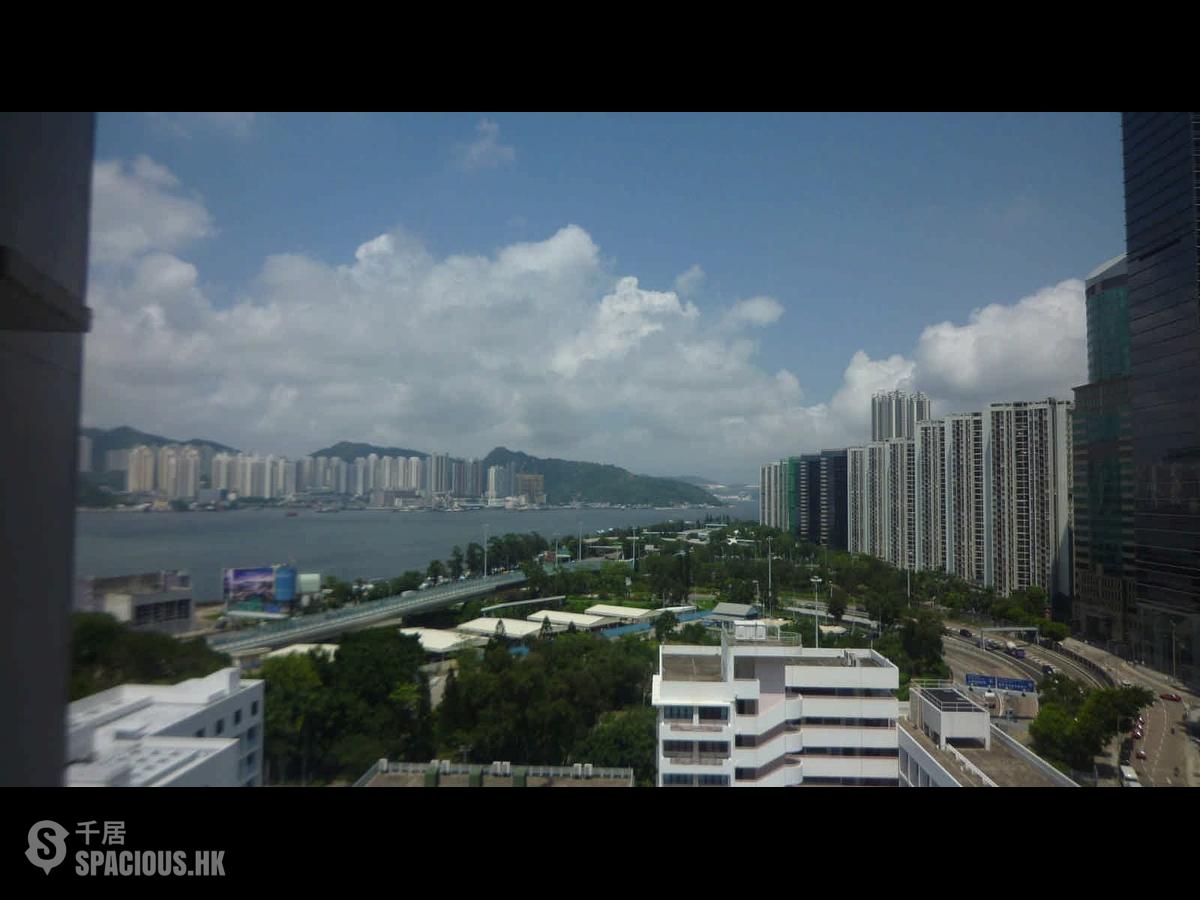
[[352, 618]]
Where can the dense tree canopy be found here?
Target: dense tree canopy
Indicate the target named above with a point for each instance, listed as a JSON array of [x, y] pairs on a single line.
[[105, 653]]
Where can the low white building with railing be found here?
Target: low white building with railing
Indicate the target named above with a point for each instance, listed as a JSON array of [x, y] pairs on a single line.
[[761, 710]]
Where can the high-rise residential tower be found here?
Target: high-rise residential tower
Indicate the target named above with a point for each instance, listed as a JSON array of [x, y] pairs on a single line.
[[139, 477], [930, 470], [772, 500], [965, 490], [1028, 479], [895, 414], [1162, 243]]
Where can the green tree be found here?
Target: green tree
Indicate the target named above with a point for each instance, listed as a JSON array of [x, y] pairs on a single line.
[[664, 626], [623, 739], [837, 605], [455, 563], [105, 653], [294, 713], [474, 557], [436, 570]]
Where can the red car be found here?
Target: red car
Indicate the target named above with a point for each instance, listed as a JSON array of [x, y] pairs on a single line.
[[1141, 754], [1174, 698]]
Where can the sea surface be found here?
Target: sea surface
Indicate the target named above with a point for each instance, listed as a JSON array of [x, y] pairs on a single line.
[[347, 544]]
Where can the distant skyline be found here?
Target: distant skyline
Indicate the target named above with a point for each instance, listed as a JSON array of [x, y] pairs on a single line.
[[669, 294]]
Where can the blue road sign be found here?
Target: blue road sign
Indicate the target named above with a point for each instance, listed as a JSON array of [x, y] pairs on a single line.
[[1015, 684], [983, 681]]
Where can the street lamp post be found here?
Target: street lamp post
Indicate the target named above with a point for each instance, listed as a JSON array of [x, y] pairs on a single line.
[[769, 555], [485, 549], [816, 581]]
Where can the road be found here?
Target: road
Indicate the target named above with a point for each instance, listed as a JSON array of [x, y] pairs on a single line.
[[1173, 760], [963, 656]]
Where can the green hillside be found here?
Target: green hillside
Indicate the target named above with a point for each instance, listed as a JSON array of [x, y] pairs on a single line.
[[124, 438], [568, 481]]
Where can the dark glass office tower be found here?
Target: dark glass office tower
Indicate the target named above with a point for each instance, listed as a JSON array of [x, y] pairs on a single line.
[[808, 497], [1162, 186], [833, 499], [1103, 606]]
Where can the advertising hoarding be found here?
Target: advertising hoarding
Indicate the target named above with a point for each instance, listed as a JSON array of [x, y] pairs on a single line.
[[252, 592]]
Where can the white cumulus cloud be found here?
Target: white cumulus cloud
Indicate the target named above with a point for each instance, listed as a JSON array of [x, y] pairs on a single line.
[[486, 151], [539, 346], [758, 311]]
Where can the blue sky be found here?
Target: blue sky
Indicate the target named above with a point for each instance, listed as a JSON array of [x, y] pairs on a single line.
[[866, 230]]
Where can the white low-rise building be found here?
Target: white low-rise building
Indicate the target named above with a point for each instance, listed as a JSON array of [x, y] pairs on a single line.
[[203, 732], [440, 642], [628, 614], [762, 711], [948, 740], [561, 620], [512, 629]]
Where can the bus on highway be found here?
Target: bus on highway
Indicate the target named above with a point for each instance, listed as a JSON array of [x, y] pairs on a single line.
[[1129, 777]]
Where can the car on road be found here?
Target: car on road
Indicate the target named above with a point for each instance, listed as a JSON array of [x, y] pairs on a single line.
[[1047, 669], [1175, 698], [964, 632], [1141, 754], [1137, 734]]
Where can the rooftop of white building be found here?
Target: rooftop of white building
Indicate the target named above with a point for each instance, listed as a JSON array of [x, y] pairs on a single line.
[[610, 611], [147, 762], [995, 761], [435, 640], [327, 650], [559, 617], [513, 628], [115, 737]]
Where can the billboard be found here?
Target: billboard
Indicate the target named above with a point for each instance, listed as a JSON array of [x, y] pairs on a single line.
[[255, 592]]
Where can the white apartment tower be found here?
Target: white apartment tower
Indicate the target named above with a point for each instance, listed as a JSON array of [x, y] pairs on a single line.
[[965, 490], [1028, 463], [930, 471], [899, 485], [895, 414], [762, 711], [984, 496], [772, 497], [140, 475]]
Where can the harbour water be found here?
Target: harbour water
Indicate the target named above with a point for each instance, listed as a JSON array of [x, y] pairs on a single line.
[[348, 544]]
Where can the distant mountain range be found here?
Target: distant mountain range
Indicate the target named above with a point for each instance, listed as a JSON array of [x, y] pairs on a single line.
[[351, 450], [125, 438], [568, 481]]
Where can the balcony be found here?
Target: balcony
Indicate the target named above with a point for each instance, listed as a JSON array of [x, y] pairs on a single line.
[[696, 759]]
